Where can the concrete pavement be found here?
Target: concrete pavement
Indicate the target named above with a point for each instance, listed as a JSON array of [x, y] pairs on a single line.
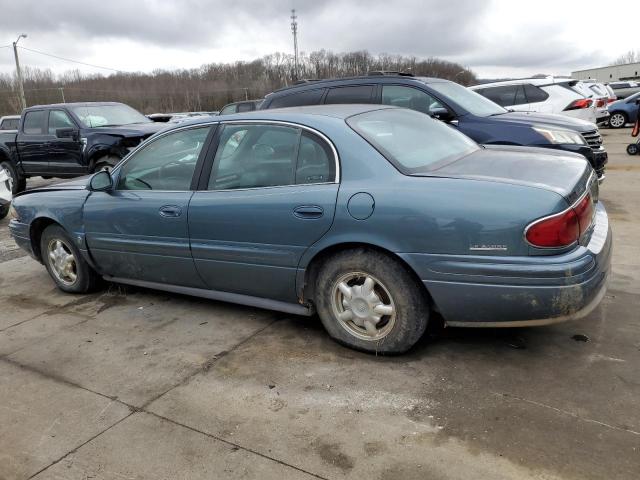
[[131, 383]]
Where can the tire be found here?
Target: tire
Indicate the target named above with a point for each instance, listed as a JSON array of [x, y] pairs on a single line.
[[617, 120], [4, 210], [365, 325], [632, 149], [18, 182], [80, 277], [105, 163]]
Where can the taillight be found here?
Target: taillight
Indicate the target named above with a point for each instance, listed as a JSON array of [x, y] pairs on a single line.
[[611, 100], [580, 103], [562, 229], [601, 102], [584, 210]]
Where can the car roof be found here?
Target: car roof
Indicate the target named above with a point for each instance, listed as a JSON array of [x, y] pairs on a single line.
[[519, 81], [328, 82], [302, 115], [75, 104]]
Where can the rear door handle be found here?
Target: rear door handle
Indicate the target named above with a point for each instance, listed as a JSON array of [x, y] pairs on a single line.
[[308, 211], [170, 211]]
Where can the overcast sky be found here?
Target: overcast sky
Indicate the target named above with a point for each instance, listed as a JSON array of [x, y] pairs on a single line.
[[495, 38]]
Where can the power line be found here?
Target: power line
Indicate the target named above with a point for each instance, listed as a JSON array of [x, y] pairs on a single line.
[[5, 46], [70, 60]]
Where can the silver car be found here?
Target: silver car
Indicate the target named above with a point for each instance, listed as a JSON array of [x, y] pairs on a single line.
[[5, 193]]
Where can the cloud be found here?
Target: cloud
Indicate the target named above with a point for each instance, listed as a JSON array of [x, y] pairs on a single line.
[[149, 34]]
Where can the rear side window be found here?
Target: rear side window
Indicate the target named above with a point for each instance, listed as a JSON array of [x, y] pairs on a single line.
[[34, 122], [246, 107], [10, 124], [535, 94], [354, 94], [504, 96], [308, 97], [254, 156]]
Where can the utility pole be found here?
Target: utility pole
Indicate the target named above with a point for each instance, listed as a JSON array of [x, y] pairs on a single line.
[[62, 94], [294, 30], [23, 102]]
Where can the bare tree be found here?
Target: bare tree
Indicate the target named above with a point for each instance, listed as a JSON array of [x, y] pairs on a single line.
[[632, 56], [214, 84]]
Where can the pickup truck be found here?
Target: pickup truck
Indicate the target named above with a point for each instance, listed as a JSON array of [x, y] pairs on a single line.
[[71, 139]]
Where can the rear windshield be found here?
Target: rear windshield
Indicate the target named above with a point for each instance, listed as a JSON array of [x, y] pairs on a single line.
[[412, 141]]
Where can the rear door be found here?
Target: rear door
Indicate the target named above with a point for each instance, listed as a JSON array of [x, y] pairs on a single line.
[[33, 143], [65, 154], [139, 230], [269, 194]]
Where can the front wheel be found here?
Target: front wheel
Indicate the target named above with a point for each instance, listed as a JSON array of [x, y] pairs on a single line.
[[617, 120], [105, 163], [4, 210], [632, 149], [65, 264], [369, 301]]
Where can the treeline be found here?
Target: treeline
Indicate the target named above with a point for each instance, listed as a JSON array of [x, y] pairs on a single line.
[[213, 85]]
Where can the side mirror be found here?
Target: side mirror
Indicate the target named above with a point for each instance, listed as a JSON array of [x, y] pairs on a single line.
[[68, 132], [101, 182], [441, 113]]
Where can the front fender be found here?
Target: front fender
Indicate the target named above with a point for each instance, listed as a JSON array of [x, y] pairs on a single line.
[[37, 210]]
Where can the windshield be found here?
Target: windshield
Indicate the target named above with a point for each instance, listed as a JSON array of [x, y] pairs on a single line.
[[412, 141], [471, 101], [108, 115]]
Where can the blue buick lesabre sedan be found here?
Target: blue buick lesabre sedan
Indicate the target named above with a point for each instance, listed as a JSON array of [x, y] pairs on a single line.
[[372, 216]]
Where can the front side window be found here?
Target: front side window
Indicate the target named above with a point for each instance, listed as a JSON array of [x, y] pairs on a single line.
[[254, 156], [472, 102], [108, 115], [413, 142], [59, 119], [33, 122], [167, 163], [408, 97]]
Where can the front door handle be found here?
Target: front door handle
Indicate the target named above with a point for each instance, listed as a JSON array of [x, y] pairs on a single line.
[[308, 211], [170, 211]]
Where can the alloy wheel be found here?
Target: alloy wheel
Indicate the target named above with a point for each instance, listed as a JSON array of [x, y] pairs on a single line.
[[363, 306], [62, 261], [617, 120]]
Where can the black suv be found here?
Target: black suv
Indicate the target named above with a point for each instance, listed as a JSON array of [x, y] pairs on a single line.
[[474, 115]]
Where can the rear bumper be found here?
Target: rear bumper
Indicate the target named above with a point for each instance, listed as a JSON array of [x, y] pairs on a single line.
[[477, 291]]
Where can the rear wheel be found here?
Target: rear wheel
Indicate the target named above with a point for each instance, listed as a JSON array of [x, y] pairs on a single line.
[[65, 264], [368, 301], [18, 182], [617, 120], [4, 210], [632, 149]]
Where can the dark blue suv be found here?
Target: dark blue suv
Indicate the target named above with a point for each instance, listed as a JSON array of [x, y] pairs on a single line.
[[474, 115]]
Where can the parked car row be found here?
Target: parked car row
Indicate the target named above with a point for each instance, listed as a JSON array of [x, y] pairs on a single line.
[[550, 95]]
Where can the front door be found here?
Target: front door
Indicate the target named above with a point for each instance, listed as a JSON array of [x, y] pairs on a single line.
[[139, 229], [270, 194], [33, 143], [65, 154]]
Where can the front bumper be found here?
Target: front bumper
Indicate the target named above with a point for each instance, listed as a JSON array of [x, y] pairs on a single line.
[[477, 291], [20, 233]]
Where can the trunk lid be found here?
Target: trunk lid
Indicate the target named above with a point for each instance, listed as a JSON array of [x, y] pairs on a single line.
[[567, 174]]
